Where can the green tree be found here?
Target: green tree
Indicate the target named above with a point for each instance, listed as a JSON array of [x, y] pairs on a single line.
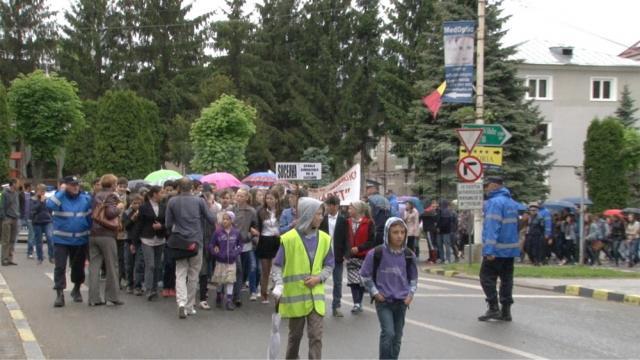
[[631, 158], [86, 51], [362, 110], [626, 109], [5, 135], [47, 109], [220, 136], [80, 142], [320, 155], [127, 135], [27, 37], [604, 164], [436, 148]]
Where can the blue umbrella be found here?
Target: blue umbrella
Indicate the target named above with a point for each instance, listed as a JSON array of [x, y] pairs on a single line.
[[195, 176], [558, 205], [414, 200], [576, 200]]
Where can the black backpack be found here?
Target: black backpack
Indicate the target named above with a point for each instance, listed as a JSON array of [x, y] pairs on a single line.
[[377, 257]]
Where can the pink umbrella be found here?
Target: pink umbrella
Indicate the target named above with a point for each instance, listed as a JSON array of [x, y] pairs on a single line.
[[222, 180]]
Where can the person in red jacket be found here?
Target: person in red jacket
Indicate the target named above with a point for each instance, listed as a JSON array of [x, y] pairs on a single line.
[[362, 238]]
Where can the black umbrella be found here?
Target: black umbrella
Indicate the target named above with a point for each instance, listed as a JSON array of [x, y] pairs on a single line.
[[631, 211]]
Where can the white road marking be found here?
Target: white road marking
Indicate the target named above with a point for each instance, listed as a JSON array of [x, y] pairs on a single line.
[[453, 283], [515, 296], [458, 335]]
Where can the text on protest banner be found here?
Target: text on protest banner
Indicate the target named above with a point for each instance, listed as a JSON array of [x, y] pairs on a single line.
[[346, 188], [298, 171]]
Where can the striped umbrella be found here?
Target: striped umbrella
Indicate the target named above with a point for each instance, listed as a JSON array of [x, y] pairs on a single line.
[[260, 179]]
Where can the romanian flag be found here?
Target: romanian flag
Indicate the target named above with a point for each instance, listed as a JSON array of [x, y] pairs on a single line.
[[434, 100]]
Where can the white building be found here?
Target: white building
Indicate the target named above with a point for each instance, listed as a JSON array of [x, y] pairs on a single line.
[[572, 86]]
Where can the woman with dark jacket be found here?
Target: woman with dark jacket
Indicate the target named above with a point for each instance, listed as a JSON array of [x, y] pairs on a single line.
[[269, 243], [133, 249], [362, 238], [152, 234], [41, 220], [102, 244]]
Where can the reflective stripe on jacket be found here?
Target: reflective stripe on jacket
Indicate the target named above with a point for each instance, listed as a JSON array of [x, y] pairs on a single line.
[[298, 300], [500, 229], [71, 218]]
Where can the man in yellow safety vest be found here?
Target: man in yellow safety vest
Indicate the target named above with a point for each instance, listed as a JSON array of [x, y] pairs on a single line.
[[303, 263]]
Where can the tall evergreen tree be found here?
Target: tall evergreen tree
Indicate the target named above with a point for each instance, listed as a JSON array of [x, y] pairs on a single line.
[[27, 37], [626, 110], [127, 135], [86, 54], [604, 164], [287, 122], [362, 109], [436, 150], [5, 135]]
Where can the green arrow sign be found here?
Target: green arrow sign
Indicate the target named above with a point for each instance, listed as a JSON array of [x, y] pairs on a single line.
[[492, 135]]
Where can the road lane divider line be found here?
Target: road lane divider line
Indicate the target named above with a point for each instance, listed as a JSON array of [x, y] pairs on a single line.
[[452, 283], [461, 336], [30, 344]]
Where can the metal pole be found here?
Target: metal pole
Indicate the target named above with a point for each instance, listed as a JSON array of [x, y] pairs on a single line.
[[477, 218], [582, 191]]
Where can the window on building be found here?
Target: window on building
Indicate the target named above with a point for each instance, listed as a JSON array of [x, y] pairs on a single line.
[[603, 89], [539, 87], [543, 131]]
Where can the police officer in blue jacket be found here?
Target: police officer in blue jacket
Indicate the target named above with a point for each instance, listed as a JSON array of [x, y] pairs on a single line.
[[71, 212], [499, 248]]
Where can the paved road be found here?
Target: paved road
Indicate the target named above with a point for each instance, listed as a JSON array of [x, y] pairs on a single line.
[[441, 324]]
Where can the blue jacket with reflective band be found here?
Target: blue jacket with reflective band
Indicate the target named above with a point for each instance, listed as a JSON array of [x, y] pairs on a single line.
[[500, 229], [71, 218]]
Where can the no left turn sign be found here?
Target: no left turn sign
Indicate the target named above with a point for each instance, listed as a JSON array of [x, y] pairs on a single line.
[[469, 169]]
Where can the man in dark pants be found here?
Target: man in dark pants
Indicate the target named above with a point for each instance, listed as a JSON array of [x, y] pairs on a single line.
[[499, 248], [335, 225], [71, 212], [10, 214]]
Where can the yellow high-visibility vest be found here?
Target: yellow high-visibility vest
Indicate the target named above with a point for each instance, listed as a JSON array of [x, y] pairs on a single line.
[[298, 300]]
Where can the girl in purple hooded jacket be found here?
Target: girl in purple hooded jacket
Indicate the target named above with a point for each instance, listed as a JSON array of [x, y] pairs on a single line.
[[225, 248], [390, 274]]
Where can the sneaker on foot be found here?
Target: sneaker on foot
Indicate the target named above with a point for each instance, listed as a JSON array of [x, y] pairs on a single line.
[[253, 297], [182, 313], [337, 313], [204, 305], [229, 306], [191, 311]]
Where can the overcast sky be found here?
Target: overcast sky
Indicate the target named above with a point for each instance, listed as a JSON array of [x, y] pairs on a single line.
[[606, 26]]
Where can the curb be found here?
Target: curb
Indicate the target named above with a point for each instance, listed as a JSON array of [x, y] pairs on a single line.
[[599, 294], [30, 345], [455, 274]]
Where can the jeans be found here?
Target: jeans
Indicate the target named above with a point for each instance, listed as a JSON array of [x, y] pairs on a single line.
[[38, 231], [30, 237], [444, 247], [490, 271], [153, 266], [337, 285], [169, 277], [249, 268], [357, 292], [391, 316]]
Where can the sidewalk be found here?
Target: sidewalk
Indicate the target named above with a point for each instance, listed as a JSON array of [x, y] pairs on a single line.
[[619, 290], [11, 347]]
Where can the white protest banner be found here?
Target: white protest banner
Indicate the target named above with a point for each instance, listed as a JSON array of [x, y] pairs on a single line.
[[346, 188]]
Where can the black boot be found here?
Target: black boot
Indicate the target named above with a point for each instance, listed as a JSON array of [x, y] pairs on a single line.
[[75, 293], [492, 313], [506, 312], [59, 298]]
